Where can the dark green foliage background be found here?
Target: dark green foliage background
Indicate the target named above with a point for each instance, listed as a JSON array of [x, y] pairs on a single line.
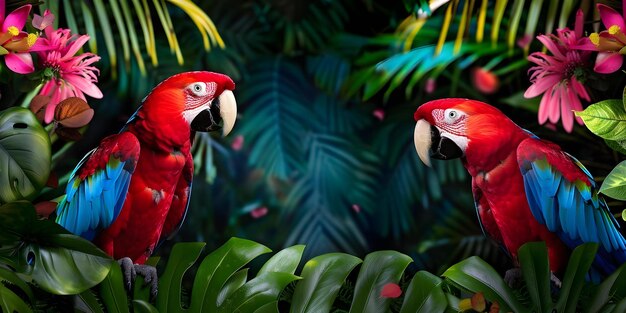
[[309, 76]]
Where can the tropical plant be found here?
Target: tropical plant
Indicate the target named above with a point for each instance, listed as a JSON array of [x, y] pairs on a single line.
[[222, 282]]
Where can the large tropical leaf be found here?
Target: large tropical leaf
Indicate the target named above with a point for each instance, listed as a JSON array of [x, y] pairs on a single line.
[[322, 278], [24, 155], [379, 269], [48, 254]]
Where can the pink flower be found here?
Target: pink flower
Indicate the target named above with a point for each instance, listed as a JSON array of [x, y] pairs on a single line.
[[42, 22], [485, 80], [379, 114], [430, 86], [560, 76], [14, 43], [356, 208], [67, 74], [259, 212], [237, 143], [609, 42]]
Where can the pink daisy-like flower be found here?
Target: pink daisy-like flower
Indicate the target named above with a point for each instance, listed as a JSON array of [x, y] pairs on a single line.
[[560, 76], [67, 74]]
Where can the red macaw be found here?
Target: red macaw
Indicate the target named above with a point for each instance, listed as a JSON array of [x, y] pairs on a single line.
[[525, 189], [132, 191]]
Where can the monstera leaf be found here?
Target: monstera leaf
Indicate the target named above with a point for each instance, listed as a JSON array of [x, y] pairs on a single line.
[[57, 261], [24, 155]]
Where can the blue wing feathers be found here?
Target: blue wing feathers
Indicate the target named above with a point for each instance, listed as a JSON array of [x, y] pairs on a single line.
[[571, 209], [94, 202]]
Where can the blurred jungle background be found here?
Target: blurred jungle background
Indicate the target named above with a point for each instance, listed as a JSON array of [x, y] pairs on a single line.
[[322, 150]]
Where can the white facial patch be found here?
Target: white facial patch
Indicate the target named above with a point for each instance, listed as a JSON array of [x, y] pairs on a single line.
[[460, 141], [190, 114]]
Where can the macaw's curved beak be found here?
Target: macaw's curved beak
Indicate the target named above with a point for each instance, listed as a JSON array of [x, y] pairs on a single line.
[[223, 110], [430, 143]]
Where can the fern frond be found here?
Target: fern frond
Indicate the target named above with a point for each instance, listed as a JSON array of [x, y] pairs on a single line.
[[277, 103]]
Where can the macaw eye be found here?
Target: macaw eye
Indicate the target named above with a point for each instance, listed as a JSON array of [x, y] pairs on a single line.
[[199, 89], [451, 116]]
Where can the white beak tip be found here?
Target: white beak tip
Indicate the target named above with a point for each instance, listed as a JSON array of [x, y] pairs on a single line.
[[422, 140], [228, 111]]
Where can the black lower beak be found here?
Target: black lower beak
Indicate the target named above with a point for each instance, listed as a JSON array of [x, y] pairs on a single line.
[[443, 148], [208, 120]]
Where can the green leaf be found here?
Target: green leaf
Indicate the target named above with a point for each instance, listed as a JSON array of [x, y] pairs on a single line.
[[216, 269], [533, 258], [606, 119], [285, 261], [10, 277], [113, 293], [88, 302], [574, 279], [624, 98], [24, 155], [613, 286], [258, 292], [271, 307], [617, 145], [614, 185], [517, 100], [322, 277], [182, 257], [378, 269], [424, 294], [475, 275], [46, 252], [234, 282], [10, 302], [141, 306]]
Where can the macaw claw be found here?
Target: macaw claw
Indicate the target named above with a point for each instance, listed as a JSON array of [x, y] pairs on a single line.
[[130, 271]]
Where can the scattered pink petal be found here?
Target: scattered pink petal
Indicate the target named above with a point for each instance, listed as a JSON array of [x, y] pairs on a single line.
[[485, 81], [237, 143], [390, 290], [524, 41], [430, 86], [356, 208], [259, 212], [41, 22], [379, 114]]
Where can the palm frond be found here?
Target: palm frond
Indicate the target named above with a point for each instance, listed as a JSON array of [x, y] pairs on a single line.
[[304, 25], [118, 22], [407, 185], [329, 71], [469, 17], [339, 175], [452, 233], [277, 103], [409, 68]]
